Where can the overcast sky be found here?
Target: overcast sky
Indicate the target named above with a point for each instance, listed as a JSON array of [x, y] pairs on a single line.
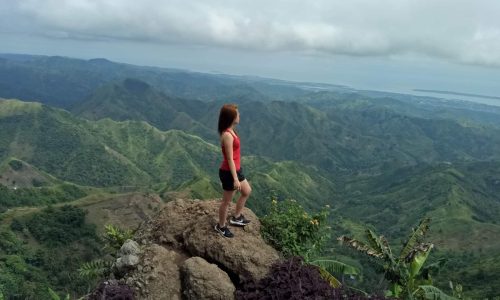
[[386, 45]]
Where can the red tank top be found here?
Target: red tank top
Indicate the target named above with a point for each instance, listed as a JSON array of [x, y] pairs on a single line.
[[236, 153]]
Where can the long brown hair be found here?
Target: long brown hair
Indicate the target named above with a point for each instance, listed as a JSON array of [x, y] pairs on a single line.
[[228, 114]]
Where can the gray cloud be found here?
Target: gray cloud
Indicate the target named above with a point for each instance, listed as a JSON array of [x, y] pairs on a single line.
[[455, 30]]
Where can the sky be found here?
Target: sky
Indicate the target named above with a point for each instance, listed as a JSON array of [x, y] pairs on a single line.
[[390, 45]]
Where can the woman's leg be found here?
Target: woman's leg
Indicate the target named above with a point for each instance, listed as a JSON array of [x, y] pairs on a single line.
[[227, 196], [245, 192]]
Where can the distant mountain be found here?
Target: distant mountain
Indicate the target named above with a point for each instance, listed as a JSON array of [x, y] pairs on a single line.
[[341, 136], [64, 82], [132, 154], [466, 113], [132, 99]]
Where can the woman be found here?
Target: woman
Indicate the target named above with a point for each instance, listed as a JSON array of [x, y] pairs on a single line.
[[230, 172]]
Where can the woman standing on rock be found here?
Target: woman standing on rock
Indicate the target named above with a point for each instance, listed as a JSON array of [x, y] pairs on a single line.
[[230, 172]]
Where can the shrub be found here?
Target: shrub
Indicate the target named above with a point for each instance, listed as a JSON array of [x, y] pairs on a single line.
[[60, 226], [112, 290], [294, 232], [15, 165], [292, 279]]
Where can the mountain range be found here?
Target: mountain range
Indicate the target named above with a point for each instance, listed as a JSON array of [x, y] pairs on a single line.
[[380, 160]]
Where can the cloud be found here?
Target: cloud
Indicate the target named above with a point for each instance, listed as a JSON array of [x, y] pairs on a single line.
[[455, 30]]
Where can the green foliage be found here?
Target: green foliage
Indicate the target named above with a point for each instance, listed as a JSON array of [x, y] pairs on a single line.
[[329, 267], [55, 296], [20, 280], [457, 290], [27, 272], [39, 196], [294, 232], [95, 269], [414, 238], [9, 243], [115, 237], [382, 143], [431, 293], [16, 225], [15, 165], [336, 267], [327, 275], [403, 271], [60, 226]]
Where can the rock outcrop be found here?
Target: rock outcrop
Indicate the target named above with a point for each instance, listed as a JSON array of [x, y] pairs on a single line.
[[202, 280], [182, 257]]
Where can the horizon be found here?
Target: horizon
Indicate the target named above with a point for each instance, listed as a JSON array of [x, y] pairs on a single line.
[[391, 46], [436, 94]]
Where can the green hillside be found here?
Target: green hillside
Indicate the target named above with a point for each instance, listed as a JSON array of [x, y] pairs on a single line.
[[400, 198], [133, 154], [132, 99], [380, 160], [359, 135], [61, 145], [462, 201]]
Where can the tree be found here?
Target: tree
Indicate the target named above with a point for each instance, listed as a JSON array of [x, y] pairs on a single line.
[[405, 273]]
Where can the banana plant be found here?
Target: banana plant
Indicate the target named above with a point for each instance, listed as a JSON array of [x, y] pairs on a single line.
[[408, 277], [329, 267], [55, 296]]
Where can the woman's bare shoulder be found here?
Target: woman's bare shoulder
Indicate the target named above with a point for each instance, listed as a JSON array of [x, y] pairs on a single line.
[[226, 135]]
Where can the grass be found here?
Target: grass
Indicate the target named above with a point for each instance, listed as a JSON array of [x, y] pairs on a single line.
[[12, 107]]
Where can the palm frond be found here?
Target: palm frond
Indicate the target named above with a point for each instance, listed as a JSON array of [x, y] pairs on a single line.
[[53, 295], [336, 267], [417, 257], [329, 277], [430, 292], [374, 242], [360, 246], [386, 249], [415, 237], [95, 269]]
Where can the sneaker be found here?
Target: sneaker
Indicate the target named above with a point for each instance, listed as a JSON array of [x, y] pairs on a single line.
[[241, 221], [224, 231]]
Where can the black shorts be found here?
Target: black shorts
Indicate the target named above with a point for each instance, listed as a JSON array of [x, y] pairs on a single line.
[[227, 179]]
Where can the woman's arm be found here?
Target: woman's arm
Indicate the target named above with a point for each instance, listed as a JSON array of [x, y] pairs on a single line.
[[227, 140]]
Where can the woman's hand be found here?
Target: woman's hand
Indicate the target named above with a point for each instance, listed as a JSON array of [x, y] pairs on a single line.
[[237, 185]]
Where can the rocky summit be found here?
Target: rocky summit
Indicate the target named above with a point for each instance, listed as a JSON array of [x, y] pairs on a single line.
[[178, 255]]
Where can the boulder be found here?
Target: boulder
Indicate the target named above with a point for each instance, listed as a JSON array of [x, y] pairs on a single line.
[[128, 257], [188, 224], [130, 247], [180, 243], [204, 281], [157, 276]]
